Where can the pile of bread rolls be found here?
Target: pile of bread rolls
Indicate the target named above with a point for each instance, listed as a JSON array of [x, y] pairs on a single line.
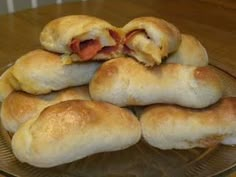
[[71, 99]]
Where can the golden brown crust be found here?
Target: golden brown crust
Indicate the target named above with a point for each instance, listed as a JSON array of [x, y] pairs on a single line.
[[205, 76], [167, 126], [41, 72], [39, 56], [5, 84], [110, 72], [203, 73], [154, 23], [73, 115], [72, 130], [153, 40], [157, 23], [124, 81], [19, 106], [221, 111], [190, 52], [58, 34]]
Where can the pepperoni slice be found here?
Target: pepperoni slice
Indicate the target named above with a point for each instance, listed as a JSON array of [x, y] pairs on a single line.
[[110, 49], [115, 36], [74, 46], [86, 49], [89, 48]]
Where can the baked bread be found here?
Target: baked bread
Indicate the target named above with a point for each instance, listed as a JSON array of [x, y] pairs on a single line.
[[40, 72], [19, 106], [150, 39], [124, 81], [190, 52], [5, 87], [175, 127], [86, 37], [71, 130]]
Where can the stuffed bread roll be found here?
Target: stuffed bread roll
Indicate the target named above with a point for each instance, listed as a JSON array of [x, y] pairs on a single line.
[[72, 130], [19, 106], [190, 52], [150, 39], [85, 37], [124, 81], [40, 72], [175, 127], [5, 87]]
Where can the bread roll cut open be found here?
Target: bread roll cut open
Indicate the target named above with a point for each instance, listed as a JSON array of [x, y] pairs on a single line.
[[150, 39], [84, 37], [175, 127], [41, 72], [72, 130], [190, 52], [124, 81], [19, 106]]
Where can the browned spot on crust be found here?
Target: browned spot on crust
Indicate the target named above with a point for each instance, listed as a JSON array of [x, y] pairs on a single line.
[[203, 73], [106, 72], [208, 76], [18, 104], [60, 119]]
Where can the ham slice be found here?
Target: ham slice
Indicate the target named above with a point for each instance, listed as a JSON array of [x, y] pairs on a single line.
[[86, 50], [110, 49]]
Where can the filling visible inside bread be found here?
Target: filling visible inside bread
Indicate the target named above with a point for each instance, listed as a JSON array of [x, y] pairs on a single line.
[[109, 49], [89, 48], [85, 49], [139, 45]]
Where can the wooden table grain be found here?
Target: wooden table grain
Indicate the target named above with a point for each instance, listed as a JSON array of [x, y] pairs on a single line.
[[213, 22]]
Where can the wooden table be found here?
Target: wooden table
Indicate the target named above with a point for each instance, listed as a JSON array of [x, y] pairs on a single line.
[[213, 22]]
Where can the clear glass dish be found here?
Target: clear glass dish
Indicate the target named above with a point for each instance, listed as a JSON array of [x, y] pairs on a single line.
[[140, 160]]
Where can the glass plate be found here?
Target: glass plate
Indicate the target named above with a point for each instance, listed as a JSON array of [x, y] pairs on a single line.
[[140, 160]]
